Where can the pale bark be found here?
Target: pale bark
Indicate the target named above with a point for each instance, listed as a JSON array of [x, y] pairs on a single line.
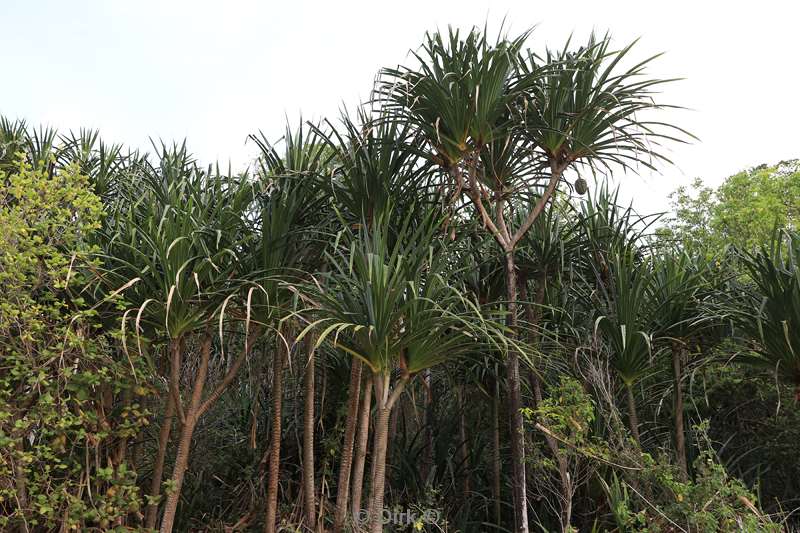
[[514, 404], [508, 241]]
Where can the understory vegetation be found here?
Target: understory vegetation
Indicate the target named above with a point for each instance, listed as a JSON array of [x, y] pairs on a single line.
[[431, 314]]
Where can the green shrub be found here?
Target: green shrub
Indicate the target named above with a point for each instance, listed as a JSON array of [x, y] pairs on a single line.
[[68, 401]]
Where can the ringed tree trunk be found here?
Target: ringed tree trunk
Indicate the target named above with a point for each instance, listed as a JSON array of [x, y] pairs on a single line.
[[680, 437], [189, 424], [514, 403], [496, 462], [345, 469], [633, 417], [281, 352], [361, 448], [197, 407], [176, 347], [384, 402], [151, 514], [309, 496], [508, 240]]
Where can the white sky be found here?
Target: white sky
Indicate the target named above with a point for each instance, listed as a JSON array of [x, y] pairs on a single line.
[[213, 72]]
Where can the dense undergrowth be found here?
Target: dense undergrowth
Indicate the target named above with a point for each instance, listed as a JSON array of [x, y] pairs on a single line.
[[410, 314]]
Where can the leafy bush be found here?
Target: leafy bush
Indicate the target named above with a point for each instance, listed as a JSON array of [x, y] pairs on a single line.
[[62, 434]]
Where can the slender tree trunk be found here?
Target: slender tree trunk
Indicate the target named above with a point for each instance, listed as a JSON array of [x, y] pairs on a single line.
[[384, 401], [171, 410], [633, 418], [379, 479], [361, 448], [309, 496], [392, 434], [533, 315], [464, 446], [184, 445], [343, 486], [430, 423], [680, 437], [496, 461], [514, 403], [151, 514], [281, 350]]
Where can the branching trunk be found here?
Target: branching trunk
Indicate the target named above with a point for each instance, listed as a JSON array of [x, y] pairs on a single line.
[[384, 402], [191, 418], [680, 437], [343, 486], [176, 347]]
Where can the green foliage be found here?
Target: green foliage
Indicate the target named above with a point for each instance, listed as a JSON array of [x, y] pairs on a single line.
[[744, 211], [67, 399], [771, 315], [567, 412], [364, 238], [657, 501], [757, 426], [388, 302], [625, 320]]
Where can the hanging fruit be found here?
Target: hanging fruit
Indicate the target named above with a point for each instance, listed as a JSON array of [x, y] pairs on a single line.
[[581, 186]]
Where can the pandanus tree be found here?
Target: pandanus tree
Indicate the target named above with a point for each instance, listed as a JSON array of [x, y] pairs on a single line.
[[173, 252], [624, 323], [770, 316], [389, 305], [375, 166], [290, 210], [679, 288], [501, 123]]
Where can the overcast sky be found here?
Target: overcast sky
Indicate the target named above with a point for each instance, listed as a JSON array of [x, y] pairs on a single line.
[[212, 72]]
